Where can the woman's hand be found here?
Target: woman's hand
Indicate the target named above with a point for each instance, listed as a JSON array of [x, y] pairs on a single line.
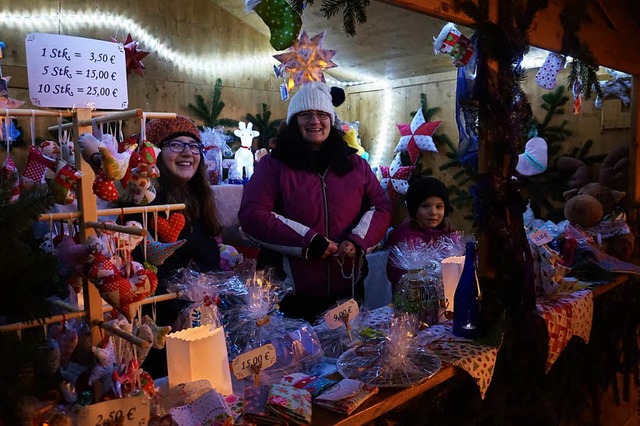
[[331, 249], [347, 249]]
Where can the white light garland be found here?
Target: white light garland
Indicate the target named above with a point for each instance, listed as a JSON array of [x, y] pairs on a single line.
[[223, 65]]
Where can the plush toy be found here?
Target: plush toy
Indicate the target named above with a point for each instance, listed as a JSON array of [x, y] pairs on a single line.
[[594, 208], [578, 169], [614, 171]]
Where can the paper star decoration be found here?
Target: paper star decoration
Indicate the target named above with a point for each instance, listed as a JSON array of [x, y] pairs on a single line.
[[306, 60], [394, 177], [417, 136], [133, 55]]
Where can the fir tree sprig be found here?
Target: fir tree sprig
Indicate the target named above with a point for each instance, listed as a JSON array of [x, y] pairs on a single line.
[[353, 12], [262, 123], [210, 114]]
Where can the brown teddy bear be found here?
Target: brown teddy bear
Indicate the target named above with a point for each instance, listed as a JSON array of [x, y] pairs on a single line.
[[594, 208]]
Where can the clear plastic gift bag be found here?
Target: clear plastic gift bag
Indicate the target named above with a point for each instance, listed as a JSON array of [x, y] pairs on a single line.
[[200, 289], [255, 321], [393, 361], [336, 340]]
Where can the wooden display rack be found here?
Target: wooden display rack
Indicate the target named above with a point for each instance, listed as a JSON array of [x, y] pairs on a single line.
[[87, 216]]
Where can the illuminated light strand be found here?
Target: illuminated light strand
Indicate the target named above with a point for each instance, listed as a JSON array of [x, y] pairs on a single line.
[[223, 66]]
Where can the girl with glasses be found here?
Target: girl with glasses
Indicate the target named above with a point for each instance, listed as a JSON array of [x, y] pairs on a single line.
[[318, 204]]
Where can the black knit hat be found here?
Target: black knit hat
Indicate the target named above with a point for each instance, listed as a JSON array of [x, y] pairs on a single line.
[[423, 188]]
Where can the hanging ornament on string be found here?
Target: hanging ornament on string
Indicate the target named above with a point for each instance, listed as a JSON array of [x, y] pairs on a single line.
[[306, 60], [284, 23], [133, 55], [417, 136], [395, 176], [5, 100]]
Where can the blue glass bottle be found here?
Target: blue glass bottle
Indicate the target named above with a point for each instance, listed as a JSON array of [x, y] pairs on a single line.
[[466, 300]]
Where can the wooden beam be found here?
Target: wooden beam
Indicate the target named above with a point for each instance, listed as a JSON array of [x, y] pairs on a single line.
[[546, 31]]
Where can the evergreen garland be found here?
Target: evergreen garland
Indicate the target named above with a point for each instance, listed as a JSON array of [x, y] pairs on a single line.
[[261, 122], [209, 113]]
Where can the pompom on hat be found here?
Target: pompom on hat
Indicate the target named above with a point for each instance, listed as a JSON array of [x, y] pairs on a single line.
[[160, 130], [314, 96], [423, 188]]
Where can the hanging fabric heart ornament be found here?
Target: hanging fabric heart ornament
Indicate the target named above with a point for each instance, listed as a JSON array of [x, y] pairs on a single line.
[[395, 176], [133, 161], [169, 229], [104, 188], [417, 136], [121, 292], [106, 361], [67, 339], [158, 252]]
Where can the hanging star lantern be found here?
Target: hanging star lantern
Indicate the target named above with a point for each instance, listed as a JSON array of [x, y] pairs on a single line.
[[395, 176], [417, 136], [306, 60], [133, 55]]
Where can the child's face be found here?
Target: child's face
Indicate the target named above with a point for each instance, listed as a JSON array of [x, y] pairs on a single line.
[[430, 212]]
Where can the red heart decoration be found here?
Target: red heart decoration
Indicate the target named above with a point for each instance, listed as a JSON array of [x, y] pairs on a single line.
[[121, 292], [169, 230], [104, 188]]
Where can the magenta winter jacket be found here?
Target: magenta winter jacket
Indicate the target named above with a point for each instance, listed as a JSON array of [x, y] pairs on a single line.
[[353, 206]]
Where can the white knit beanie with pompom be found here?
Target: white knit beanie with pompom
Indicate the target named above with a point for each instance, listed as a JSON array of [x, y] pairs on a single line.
[[314, 96]]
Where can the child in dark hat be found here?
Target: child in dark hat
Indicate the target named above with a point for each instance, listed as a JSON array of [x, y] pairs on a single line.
[[428, 205]]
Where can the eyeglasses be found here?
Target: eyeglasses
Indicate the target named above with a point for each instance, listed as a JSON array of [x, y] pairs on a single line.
[[306, 115], [178, 146]]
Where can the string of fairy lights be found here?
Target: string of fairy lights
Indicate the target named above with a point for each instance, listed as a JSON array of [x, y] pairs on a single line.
[[221, 64]]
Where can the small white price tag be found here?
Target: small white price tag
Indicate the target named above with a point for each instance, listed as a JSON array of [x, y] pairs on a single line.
[[540, 237], [132, 411], [76, 72], [244, 365], [335, 317]]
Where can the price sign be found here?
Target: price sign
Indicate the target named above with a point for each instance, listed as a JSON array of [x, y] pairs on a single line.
[[246, 364], [336, 317], [76, 72], [132, 411], [541, 237]]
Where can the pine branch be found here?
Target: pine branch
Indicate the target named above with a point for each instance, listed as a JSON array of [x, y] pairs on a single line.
[[353, 12]]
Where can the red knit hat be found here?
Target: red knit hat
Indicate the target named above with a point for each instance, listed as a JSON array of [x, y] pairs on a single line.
[[160, 130]]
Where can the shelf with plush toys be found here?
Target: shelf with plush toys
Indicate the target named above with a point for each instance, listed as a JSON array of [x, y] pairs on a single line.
[[74, 180]]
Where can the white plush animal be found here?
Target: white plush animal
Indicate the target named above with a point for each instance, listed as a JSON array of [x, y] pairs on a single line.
[[244, 156]]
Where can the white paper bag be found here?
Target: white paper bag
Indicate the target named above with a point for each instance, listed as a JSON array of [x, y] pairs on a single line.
[[199, 353], [451, 271]]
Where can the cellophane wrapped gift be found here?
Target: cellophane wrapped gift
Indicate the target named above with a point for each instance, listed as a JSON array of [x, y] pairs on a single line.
[[215, 147], [337, 340], [394, 361], [201, 290], [421, 290], [256, 322]]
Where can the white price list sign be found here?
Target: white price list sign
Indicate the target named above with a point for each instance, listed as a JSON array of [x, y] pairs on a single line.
[[76, 72]]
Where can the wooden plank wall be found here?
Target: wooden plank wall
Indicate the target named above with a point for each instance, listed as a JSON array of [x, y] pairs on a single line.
[[364, 103], [197, 27]]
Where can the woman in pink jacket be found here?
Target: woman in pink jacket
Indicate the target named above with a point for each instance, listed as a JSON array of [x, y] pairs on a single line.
[[316, 202]]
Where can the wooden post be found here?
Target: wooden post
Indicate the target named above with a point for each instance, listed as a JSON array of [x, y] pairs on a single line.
[[633, 197], [87, 205]]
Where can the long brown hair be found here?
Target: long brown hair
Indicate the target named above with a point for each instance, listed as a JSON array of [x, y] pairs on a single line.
[[196, 194]]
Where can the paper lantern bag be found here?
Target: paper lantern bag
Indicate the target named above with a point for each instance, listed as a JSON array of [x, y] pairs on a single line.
[[451, 271], [199, 353]]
